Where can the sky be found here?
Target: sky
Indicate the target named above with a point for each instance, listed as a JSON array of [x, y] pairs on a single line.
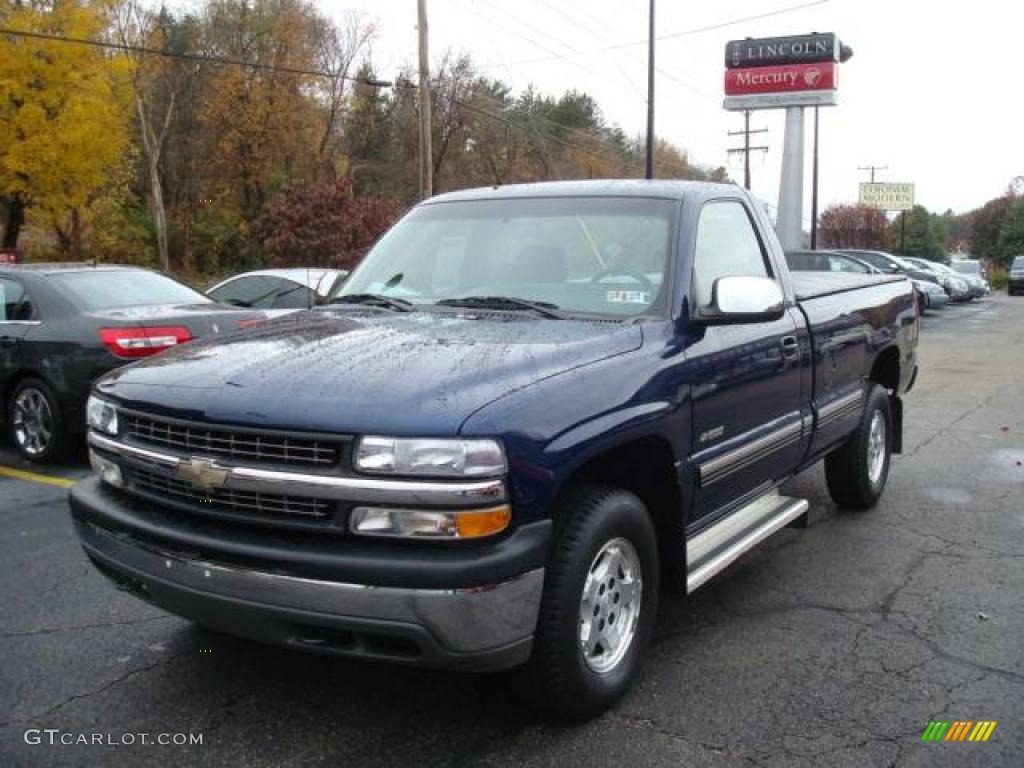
[[930, 92]]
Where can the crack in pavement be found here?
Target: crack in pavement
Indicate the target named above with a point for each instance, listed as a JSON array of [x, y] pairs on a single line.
[[56, 630], [89, 694], [649, 725]]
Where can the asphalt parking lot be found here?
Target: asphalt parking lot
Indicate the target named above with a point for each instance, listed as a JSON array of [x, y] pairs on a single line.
[[834, 645]]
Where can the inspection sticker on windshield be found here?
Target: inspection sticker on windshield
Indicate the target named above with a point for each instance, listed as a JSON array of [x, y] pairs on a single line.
[[628, 297]]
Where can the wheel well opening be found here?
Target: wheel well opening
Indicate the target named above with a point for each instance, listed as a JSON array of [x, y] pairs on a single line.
[[645, 467], [886, 370]]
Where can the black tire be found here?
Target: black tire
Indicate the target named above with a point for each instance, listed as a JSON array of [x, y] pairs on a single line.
[[851, 482], [56, 445], [561, 681]]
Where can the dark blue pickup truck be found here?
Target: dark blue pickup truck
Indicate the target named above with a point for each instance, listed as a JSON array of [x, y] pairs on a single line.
[[529, 411]]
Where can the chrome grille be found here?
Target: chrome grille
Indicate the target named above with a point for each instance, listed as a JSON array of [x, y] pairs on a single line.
[[243, 446], [234, 502]]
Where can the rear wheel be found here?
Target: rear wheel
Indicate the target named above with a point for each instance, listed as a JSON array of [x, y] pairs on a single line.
[[35, 423], [599, 604], [856, 472]]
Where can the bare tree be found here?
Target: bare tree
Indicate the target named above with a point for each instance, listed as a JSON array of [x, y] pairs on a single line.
[[340, 45], [156, 91]]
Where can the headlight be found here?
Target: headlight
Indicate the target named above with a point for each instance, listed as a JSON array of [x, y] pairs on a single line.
[[101, 415], [430, 457], [429, 523]]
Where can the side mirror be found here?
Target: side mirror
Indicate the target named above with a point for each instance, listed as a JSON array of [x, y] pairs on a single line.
[[743, 300]]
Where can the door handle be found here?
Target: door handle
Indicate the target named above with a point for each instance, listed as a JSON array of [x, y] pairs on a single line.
[[790, 347]]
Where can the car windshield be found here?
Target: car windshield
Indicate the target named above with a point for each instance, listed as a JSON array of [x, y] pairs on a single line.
[[589, 255], [878, 260], [1018, 263], [114, 289]]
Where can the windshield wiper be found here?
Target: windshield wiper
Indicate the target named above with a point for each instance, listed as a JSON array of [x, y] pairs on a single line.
[[374, 300], [543, 308]]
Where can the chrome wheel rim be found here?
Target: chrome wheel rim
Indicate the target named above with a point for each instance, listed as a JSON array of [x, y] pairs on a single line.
[[610, 606], [32, 422], [876, 448]]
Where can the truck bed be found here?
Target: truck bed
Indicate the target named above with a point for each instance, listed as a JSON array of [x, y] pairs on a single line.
[[813, 285]]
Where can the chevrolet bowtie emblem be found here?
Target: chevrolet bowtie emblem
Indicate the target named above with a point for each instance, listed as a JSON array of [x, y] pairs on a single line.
[[200, 473]]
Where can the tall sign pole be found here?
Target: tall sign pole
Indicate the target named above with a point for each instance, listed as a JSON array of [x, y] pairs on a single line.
[[814, 188], [649, 162], [426, 144], [791, 187]]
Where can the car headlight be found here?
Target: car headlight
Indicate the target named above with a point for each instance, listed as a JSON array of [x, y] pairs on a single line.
[[430, 457], [101, 415]]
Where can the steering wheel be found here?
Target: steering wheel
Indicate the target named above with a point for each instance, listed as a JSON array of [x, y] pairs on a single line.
[[640, 277]]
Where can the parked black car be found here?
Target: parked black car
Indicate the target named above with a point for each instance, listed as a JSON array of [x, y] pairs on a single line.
[[62, 326]]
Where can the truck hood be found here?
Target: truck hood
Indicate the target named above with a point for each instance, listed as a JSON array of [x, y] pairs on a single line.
[[358, 371]]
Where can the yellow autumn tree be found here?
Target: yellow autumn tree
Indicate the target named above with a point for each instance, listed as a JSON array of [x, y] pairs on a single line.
[[64, 115]]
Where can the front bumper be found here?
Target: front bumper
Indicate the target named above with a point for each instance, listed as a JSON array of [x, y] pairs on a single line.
[[488, 625]]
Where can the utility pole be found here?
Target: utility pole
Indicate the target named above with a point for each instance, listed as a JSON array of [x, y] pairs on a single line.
[[872, 169], [649, 164], [426, 149], [746, 149], [814, 188]]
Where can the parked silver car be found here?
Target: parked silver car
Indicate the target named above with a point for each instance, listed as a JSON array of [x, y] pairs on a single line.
[[973, 272], [279, 291], [955, 285]]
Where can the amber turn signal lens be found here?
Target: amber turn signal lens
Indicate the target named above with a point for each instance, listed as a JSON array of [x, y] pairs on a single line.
[[486, 522]]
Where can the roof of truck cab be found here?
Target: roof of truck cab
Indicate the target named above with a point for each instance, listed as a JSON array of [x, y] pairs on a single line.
[[657, 188]]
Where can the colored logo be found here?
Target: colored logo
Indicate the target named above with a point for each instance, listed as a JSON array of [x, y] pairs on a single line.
[[958, 730]]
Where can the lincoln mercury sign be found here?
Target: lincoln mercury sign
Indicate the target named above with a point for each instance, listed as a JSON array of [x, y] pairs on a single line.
[[777, 72], [887, 196]]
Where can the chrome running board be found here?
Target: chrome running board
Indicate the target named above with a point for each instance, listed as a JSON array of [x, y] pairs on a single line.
[[712, 550]]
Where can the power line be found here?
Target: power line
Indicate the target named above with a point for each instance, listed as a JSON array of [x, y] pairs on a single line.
[[694, 30], [202, 57], [220, 60]]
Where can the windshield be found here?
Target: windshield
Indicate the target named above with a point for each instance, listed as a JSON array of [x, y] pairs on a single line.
[[877, 260], [1018, 263], [111, 289], [603, 256]]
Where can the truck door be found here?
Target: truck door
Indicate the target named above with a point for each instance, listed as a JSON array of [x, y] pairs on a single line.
[[747, 424]]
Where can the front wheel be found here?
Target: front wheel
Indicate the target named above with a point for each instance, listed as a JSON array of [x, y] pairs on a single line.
[[856, 471], [599, 604]]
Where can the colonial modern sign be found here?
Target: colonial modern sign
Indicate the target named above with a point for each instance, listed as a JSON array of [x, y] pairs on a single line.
[[772, 51], [779, 72], [887, 196], [794, 77]]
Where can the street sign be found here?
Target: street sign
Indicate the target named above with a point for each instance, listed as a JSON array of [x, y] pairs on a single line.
[[773, 51], [887, 196], [780, 100], [793, 77]]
